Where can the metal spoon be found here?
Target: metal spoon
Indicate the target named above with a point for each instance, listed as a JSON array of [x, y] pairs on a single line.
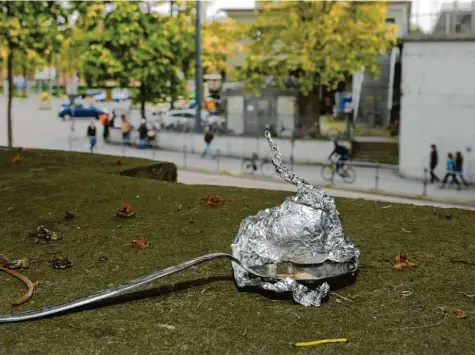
[[113, 291]]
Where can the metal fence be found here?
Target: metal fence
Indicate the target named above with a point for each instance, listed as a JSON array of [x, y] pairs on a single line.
[[368, 177]]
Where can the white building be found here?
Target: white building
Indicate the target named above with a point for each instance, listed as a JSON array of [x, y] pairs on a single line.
[[437, 104]]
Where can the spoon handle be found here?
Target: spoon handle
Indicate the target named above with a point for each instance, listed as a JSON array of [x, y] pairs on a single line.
[[113, 291]]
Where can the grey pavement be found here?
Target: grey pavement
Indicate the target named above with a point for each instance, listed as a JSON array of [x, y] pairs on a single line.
[[37, 128]]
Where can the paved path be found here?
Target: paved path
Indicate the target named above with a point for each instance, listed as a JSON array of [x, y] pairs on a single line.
[[42, 129], [197, 178]]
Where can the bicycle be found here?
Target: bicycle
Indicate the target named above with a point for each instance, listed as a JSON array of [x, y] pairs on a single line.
[[347, 173], [250, 165]]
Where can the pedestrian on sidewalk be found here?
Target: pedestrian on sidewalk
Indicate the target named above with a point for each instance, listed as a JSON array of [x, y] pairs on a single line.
[[450, 172], [143, 131], [434, 160], [209, 136], [91, 133], [104, 119], [125, 129], [459, 167]]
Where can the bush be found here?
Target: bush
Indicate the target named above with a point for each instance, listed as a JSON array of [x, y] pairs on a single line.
[[164, 171]]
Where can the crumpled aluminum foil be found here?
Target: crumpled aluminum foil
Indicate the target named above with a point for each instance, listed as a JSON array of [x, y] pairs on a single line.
[[299, 244]]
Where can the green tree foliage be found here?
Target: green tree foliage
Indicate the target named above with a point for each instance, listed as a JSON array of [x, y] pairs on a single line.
[[319, 42], [28, 28], [139, 48]]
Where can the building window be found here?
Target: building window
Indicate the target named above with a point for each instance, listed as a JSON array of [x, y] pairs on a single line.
[[390, 20]]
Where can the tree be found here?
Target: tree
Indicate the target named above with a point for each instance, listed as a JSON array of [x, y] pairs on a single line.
[[140, 49], [26, 27], [416, 29], [318, 43], [220, 42]]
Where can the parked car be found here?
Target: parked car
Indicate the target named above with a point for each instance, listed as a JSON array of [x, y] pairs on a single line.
[[184, 120], [179, 120], [118, 95], [92, 92], [80, 111]]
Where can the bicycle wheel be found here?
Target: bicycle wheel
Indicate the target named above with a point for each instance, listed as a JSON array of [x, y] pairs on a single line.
[[247, 166], [267, 169], [350, 175], [327, 172]]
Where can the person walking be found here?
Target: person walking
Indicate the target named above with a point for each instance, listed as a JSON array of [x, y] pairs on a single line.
[[91, 134], [125, 128], [143, 131], [434, 160], [450, 172], [104, 119], [459, 167], [209, 136]]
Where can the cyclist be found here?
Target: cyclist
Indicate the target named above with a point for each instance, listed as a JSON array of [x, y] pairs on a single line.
[[343, 155]]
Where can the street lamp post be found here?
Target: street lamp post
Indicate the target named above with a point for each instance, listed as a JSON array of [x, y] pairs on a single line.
[[199, 69]]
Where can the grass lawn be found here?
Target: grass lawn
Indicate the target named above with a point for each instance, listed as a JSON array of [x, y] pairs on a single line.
[[200, 311], [329, 125]]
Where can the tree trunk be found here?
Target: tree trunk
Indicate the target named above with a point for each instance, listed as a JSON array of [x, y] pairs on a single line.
[[10, 95], [309, 111], [142, 108], [25, 80], [316, 100]]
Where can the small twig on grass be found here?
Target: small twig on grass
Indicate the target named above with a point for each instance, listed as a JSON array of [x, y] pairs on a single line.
[[421, 326], [31, 286], [295, 314], [469, 296], [340, 296], [462, 262]]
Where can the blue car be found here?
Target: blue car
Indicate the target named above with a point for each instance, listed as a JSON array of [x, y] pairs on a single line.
[[79, 112]]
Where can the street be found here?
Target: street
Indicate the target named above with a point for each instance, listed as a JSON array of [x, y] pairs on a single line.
[[37, 128]]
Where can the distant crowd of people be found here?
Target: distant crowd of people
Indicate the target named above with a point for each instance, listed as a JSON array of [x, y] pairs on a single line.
[[454, 168], [145, 134]]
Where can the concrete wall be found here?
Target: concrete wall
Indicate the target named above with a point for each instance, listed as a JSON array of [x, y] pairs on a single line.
[[437, 104], [305, 151]]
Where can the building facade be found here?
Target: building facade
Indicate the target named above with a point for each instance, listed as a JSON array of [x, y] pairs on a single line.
[[437, 105], [375, 97]]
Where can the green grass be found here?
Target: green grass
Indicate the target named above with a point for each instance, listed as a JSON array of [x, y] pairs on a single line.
[[210, 315], [329, 125]]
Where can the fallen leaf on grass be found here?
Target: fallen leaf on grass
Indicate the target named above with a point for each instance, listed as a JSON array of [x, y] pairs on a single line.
[[213, 200], [21, 149], [9, 209], [61, 262], [119, 163], [68, 216], [458, 312], [139, 243], [125, 211], [406, 231], [402, 262], [17, 159]]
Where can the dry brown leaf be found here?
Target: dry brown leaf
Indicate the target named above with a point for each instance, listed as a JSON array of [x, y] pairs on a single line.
[[125, 210], [402, 262], [213, 200], [17, 159], [139, 243]]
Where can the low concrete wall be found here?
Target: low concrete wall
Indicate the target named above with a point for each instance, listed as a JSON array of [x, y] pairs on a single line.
[[305, 151]]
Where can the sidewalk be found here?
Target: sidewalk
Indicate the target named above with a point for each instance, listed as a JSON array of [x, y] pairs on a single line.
[[35, 128], [197, 178]]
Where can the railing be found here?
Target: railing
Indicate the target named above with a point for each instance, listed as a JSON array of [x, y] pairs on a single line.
[[370, 177]]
